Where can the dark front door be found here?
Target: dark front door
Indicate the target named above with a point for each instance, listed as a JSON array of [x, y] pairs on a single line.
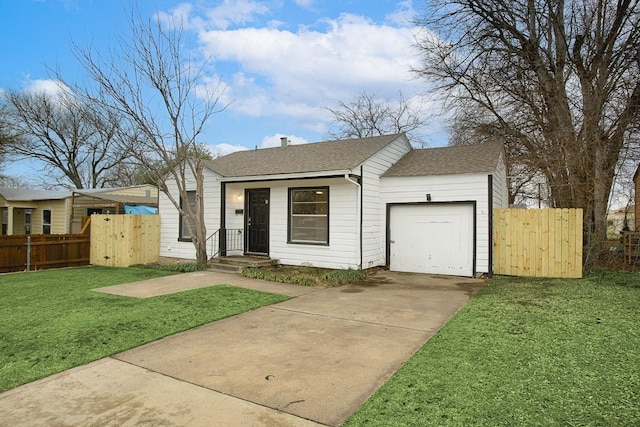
[[257, 220]]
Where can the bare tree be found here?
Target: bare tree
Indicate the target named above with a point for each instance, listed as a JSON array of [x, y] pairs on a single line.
[[151, 79], [561, 77], [472, 125], [76, 143], [5, 133], [366, 116]]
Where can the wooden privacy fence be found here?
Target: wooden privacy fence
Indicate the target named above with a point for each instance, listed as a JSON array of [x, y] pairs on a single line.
[[124, 240], [537, 242], [40, 251]]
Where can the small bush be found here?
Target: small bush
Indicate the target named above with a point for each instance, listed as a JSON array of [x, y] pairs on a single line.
[[187, 267], [305, 276]]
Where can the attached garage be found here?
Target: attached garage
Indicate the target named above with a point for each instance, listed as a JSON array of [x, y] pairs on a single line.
[[434, 238]]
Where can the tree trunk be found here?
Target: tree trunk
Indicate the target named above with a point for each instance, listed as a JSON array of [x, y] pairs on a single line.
[[200, 242]]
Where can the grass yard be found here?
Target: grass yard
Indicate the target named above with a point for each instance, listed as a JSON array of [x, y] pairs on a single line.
[[51, 320], [525, 352]]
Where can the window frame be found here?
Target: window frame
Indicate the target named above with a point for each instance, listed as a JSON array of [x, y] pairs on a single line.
[[45, 223], [181, 223], [290, 216]]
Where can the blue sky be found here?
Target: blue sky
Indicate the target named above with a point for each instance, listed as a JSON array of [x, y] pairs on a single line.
[[284, 61]]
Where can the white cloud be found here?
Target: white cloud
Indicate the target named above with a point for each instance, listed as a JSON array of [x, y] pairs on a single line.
[[180, 16], [306, 4], [268, 141], [272, 70], [403, 15], [226, 14], [47, 86], [235, 12], [224, 149], [276, 141], [298, 73]]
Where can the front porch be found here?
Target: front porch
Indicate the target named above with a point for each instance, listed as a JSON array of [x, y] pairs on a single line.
[[237, 263]]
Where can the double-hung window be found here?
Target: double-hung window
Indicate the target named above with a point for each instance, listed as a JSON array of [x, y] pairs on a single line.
[[309, 215], [46, 221], [185, 231]]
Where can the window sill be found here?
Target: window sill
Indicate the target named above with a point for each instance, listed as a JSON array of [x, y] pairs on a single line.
[[293, 242]]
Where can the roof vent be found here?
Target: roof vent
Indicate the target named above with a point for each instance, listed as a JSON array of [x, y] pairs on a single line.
[[284, 141]]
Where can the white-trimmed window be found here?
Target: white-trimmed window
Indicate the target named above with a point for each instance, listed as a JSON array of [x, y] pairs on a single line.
[[184, 233], [309, 215]]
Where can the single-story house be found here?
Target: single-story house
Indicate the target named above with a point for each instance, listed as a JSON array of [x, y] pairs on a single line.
[[33, 211], [28, 211], [355, 203]]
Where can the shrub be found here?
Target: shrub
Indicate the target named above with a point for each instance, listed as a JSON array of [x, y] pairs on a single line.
[[187, 267], [304, 276]]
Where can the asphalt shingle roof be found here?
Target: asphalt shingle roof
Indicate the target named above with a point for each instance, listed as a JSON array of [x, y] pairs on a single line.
[[316, 157], [127, 199], [112, 195], [458, 159], [27, 195]]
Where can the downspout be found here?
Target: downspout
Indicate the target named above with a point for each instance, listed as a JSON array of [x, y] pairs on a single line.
[[73, 200], [222, 234], [358, 215], [490, 208]]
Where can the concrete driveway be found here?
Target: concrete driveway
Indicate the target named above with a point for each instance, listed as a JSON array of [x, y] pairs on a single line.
[[312, 360]]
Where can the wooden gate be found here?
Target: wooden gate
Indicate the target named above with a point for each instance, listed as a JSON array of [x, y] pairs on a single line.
[[537, 242], [124, 240]]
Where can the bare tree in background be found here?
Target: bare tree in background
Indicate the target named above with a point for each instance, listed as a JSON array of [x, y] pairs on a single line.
[[366, 116], [561, 77], [151, 79], [78, 144], [473, 125], [5, 132]]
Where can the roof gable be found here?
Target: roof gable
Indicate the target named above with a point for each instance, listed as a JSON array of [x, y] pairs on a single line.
[[337, 155], [453, 160]]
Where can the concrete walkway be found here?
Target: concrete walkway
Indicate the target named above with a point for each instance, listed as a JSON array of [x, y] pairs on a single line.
[[312, 360]]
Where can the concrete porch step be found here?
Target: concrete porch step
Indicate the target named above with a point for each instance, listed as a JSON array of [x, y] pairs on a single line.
[[236, 263]]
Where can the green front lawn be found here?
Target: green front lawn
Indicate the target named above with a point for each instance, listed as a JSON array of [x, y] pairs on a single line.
[[51, 320], [525, 352]]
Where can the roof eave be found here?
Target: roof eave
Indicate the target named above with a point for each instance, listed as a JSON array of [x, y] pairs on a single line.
[[478, 172], [289, 176]]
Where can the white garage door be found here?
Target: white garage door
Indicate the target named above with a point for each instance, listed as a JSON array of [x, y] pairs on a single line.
[[435, 239]]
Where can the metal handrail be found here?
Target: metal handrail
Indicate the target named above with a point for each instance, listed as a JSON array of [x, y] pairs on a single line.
[[214, 239], [233, 241]]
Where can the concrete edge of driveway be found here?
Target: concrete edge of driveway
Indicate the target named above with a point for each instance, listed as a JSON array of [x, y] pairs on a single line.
[[186, 281]]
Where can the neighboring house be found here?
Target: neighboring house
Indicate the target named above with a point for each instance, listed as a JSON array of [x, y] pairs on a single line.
[[619, 220], [356, 204], [27, 211]]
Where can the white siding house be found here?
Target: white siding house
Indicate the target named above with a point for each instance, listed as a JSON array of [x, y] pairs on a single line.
[[172, 245], [331, 204]]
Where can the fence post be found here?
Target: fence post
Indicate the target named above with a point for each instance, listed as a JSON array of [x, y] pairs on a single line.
[[28, 253]]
